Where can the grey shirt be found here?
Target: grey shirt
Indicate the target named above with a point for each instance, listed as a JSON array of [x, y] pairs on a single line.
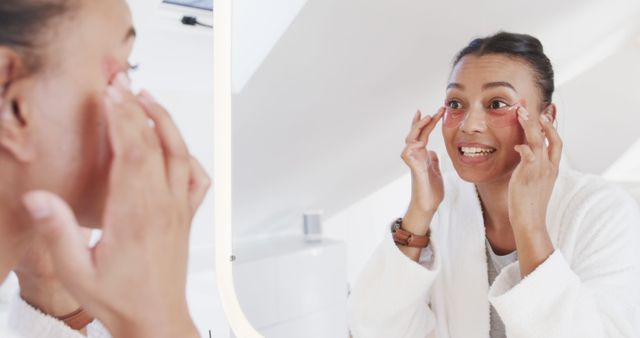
[[495, 264]]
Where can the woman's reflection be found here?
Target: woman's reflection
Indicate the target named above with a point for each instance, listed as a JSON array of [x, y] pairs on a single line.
[[514, 245]]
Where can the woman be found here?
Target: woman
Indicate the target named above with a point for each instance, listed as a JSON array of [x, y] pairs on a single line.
[[513, 245], [75, 142]]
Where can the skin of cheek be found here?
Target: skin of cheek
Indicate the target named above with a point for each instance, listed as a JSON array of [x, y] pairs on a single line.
[[506, 117], [503, 118], [110, 67], [453, 117]]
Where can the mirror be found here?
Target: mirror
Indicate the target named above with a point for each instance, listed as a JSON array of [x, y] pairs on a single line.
[[323, 95]]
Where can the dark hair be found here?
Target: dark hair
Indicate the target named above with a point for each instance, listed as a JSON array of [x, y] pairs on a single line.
[[521, 46], [23, 22]]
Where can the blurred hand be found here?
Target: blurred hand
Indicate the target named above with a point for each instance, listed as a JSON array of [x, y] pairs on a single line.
[[39, 285], [134, 279]]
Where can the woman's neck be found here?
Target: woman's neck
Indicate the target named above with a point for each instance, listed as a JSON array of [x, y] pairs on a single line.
[[495, 206], [15, 236]]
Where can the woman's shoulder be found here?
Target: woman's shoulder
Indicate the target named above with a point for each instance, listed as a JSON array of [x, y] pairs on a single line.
[[582, 190], [592, 207]]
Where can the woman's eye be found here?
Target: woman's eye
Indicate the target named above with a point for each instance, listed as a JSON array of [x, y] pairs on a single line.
[[454, 104], [132, 67], [495, 104]]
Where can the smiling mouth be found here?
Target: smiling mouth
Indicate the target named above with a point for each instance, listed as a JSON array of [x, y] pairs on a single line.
[[476, 151]]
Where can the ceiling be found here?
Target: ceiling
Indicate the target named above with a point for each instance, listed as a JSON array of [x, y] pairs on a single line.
[[198, 4], [320, 117]]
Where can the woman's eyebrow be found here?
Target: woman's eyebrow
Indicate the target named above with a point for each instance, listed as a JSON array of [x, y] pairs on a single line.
[[498, 84], [455, 85]]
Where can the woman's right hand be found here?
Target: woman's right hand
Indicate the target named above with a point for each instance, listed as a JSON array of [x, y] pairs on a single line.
[[427, 187], [134, 279]]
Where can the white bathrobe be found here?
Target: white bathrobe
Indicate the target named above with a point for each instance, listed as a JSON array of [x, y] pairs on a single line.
[[27, 322], [588, 287]]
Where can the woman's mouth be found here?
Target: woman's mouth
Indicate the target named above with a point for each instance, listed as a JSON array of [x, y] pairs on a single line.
[[475, 153]]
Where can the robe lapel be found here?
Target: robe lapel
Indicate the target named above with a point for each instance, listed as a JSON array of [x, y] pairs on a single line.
[[467, 268]]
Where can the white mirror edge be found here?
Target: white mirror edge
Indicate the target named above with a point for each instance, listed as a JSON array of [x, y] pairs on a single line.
[[222, 170]]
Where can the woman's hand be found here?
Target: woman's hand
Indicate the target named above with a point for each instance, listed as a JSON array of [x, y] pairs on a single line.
[[530, 189], [134, 279], [427, 188], [39, 285]]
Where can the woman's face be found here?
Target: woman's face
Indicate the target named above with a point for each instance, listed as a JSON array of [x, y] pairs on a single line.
[[480, 126], [63, 105]]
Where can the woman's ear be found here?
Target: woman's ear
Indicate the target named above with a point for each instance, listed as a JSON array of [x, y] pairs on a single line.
[[15, 120]]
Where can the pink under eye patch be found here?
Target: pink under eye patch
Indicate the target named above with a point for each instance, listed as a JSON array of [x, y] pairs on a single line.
[[497, 118]]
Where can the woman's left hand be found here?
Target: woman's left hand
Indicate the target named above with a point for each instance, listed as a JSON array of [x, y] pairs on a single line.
[[39, 285], [533, 179], [530, 189]]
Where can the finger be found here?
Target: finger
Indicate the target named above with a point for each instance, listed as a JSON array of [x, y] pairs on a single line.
[[555, 142], [435, 163], [63, 238], [416, 128], [532, 130], [127, 125], [410, 150], [526, 153], [199, 185], [426, 131], [135, 148], [123, 85], [123, 99], [416, 118], [175, 150], [137, 166]]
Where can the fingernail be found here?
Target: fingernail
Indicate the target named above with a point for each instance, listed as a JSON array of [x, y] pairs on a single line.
[[38, 205], [123, 81], [114, 94], [544, 118]]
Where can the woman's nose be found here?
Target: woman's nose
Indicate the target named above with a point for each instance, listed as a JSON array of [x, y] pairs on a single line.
[[474, 121]]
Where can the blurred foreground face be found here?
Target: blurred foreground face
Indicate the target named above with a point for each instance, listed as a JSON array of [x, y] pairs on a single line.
[[53, 124]]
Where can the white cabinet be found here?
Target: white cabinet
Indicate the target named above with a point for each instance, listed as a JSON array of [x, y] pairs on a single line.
[[290, 288]]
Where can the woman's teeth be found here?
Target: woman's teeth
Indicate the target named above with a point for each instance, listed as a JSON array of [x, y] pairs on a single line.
[[474, 152]]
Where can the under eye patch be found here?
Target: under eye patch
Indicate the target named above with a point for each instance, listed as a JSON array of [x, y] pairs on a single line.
[[494, 117]]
